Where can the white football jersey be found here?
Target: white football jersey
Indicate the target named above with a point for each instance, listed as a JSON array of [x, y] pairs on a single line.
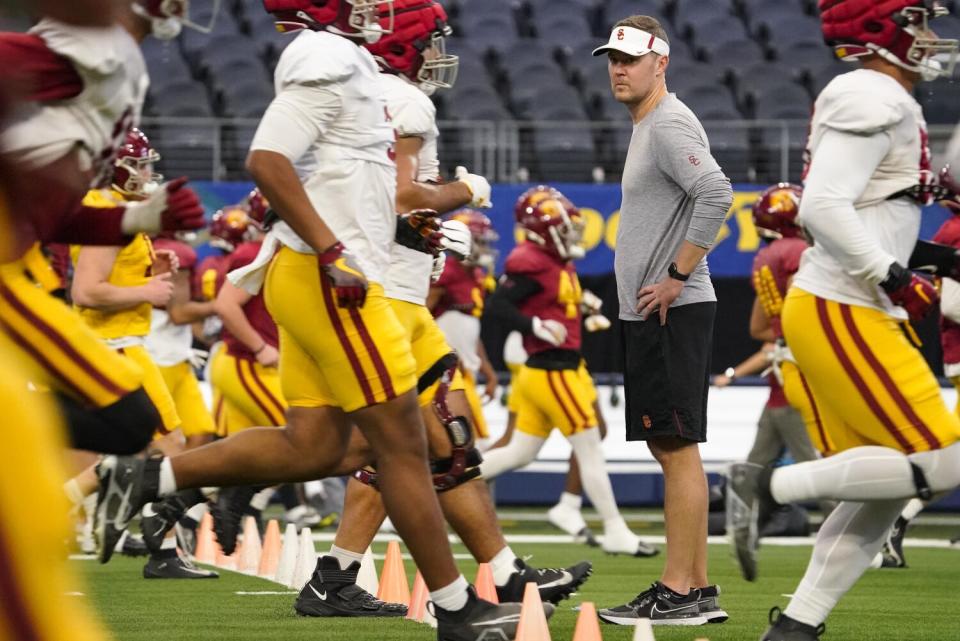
[[114, 87], [348, 172], [413, 114], [168, 344], [868, 103]]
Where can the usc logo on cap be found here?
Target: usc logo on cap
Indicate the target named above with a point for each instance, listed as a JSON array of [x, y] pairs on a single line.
[[620, 34]]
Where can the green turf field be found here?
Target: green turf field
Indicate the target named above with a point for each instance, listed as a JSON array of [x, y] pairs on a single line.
[[918, 603]]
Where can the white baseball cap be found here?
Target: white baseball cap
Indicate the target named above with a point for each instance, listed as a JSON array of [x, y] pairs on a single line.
[[633, 42]]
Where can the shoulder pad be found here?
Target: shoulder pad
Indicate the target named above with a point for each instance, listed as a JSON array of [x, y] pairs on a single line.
[[101, 50], [861, 102], [411, 111], [526, 259], [101, 198], [315, 57]]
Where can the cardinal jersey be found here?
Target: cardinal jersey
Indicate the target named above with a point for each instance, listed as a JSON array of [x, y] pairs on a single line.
[[115, 83], [868, 103], [168, 343], [332, 88], [131, 268], [459, 309], [209, 276], [949, 234], [413, 115], [558, 298], [773, 266], [255, 309]]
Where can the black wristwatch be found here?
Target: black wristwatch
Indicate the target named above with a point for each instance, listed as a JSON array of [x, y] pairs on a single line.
[[675, 274]]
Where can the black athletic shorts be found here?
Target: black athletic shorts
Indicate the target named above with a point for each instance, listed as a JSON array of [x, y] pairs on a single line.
[[666, 373]]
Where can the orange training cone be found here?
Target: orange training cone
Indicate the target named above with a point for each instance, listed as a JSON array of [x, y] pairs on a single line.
[[533, 621], [252, 548], [206, 551], [418, 601], [393, 579], [270, 555], [588, 627], [486, 588]]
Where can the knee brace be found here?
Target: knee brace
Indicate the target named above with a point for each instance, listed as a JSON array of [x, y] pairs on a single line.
[[368, 476], [451, 472]]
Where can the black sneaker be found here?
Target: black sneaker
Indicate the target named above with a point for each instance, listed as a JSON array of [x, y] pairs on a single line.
[[480, 620], [746, 498], [332, 592], [228, 511], [893, 547], [783, 628], [126, 483], [710, 604], [555, 584], [660, 606], [131, 545], [175, 568]]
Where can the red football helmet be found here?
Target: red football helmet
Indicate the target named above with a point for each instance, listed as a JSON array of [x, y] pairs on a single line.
[[257, 205], [168, 17], [483, 236], [549, 219], [775, 213], [367, 19], [230, 227], [897, 30], [133, 173], [417, 47]]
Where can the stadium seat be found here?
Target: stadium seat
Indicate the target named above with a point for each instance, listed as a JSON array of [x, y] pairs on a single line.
[[785, 101], [940, 101], [187, 100], [616, 10], [682, 77], [164, 62], [225, 32], [220, 66], [806, 57], [728, 57], [555, 29], [528, 81], [753, 80], [823, 76], [713, 102], [478, 102], [186, 149], [697, 19], [715, 31], [564, 154], [783, 25], [493, 32]]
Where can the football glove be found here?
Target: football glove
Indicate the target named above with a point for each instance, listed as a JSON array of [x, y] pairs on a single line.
[[590, 303], [420, 230], [596, 323], [436, 270], [198, 358], [172, 207], [456, 238], [549, 331], [916, 295], [477, 185], [340, 267]]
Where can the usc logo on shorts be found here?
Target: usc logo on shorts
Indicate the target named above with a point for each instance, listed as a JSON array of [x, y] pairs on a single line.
[[647, 423]]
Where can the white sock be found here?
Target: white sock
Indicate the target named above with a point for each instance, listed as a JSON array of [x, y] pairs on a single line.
[[168, 484], [914, 507], [345, 557], [90, 505], [503, 567], [521, 449], [72, 489], [593, 472], [453, 597], [261, 499], [846, 544], [866, 473], [572, 501], [169, 541], [197, 511]]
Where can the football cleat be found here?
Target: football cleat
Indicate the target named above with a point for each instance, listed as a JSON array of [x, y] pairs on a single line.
[[743, 515], [157, 518], [659, 605], [783, 628], [130, 545], [175, 568], [124, 488], [186, 538], [554, 584], [893, 547], [480, 620], [710, 604], [628, 543], [228, 511], [332, 592]]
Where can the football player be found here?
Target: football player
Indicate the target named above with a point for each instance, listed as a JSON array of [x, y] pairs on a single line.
[[93, 80], [868, 175], [540, 296], [345, 358], [413, 63], [115, 290]]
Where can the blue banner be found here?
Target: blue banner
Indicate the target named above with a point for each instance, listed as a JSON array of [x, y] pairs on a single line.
[[600, 206]]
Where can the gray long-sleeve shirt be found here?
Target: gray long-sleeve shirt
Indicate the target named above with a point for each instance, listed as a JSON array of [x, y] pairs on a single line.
[[673, 190]]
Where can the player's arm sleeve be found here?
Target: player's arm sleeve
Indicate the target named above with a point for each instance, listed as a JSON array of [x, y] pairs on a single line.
[[684, 156], [503, 305], [839, 172], [48, 75], [297, 117]]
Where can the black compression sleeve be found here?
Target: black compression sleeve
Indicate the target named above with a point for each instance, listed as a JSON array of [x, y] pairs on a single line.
[[502, 306]]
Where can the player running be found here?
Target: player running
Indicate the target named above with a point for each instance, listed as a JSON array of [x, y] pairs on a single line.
[[867, 178]]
